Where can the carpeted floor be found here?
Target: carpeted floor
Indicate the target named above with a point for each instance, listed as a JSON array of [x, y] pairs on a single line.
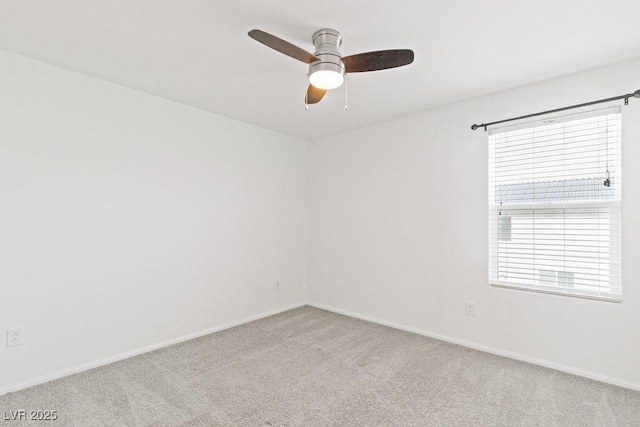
[[309, 367]]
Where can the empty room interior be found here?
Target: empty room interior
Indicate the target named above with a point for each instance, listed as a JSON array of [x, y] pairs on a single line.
[[278, 213]]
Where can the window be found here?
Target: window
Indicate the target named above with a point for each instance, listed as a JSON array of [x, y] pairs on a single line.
[[554, 197]]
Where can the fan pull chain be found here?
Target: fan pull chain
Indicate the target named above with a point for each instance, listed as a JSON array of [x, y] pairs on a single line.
[[346, 92]]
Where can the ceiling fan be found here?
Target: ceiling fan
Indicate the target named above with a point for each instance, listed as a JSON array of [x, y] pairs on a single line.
[[326, 66]]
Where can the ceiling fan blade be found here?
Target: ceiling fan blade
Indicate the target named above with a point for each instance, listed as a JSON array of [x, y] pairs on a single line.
[[314, 95], [282, 46], [378, 60]]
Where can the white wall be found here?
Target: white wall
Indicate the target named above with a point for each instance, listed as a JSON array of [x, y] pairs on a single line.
[[399, 232], [127, 220]]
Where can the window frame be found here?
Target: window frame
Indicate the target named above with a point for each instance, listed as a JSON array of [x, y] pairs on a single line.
[[614, 216]]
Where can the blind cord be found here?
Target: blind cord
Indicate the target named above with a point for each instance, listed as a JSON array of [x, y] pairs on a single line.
[[607, 181]]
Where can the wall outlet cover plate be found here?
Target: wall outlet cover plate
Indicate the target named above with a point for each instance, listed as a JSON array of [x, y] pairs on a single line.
[[14, 337]]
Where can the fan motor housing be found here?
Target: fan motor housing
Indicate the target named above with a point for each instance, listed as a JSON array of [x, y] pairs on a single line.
[[327, 41]]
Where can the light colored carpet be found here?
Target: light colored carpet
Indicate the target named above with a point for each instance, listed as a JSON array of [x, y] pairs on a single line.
[[309, 367]]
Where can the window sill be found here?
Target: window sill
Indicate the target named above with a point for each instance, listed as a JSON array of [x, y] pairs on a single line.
[[602, 297]]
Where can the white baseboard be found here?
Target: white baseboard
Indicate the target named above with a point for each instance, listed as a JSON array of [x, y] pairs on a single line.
[[487, 349], [107, 360]]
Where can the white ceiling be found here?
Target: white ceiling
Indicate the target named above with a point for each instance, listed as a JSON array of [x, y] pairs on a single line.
[[198, 53]]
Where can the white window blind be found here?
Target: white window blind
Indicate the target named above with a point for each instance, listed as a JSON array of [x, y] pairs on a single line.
[[554, 197]]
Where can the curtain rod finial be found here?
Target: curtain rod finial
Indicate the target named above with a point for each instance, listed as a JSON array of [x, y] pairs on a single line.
[[636, 94], [474, 127]]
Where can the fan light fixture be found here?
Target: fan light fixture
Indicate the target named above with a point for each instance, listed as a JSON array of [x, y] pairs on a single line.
[[326, 79], [328, 71]]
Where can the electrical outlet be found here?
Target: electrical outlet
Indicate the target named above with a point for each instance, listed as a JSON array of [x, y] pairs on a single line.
[[471, 308], [278, 285], [14, 337]]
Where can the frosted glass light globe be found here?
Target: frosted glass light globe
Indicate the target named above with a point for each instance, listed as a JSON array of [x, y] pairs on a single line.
[[326, 79]]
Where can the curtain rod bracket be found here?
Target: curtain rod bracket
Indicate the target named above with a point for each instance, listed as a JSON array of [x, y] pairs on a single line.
[[626, 97]]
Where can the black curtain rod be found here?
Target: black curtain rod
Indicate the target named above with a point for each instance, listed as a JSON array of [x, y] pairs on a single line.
[[626, 97]]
